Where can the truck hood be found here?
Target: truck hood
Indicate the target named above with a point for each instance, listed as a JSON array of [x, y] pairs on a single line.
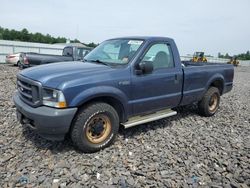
[[55, 74]]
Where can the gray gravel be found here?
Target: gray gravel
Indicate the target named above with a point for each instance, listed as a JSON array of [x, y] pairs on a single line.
[[182, 151]]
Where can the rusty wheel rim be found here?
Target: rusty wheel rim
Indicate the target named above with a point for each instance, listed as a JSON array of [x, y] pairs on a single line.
[[213, 103], [98, 128]]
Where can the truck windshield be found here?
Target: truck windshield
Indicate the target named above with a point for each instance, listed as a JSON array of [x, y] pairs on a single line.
[[116, 51]]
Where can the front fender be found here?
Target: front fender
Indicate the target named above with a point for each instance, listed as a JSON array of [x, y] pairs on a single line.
[[100, 91]]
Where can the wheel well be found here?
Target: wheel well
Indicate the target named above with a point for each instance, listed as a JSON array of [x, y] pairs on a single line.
[[115, 103], [218, 84]]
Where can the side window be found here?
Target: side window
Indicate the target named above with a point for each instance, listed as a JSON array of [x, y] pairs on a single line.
[[81, 52], [68, 51], [160, 55]]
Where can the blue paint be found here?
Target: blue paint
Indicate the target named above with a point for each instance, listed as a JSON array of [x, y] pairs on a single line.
[[138, 94]]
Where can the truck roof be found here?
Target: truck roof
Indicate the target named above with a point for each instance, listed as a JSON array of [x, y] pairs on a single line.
[[78, 45], [148, 38]]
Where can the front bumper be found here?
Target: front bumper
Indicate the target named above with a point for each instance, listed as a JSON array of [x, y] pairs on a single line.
[[11, 61], [50, 123]]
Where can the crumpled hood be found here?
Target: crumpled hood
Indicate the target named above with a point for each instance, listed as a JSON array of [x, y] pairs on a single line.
[[55, 74]]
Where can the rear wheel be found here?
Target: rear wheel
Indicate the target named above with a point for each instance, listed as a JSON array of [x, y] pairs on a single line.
[[20, 66], [209, 104], [95, 127]]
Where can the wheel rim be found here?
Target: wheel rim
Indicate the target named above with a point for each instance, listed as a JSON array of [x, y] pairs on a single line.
[[98, 128], [213, 103]]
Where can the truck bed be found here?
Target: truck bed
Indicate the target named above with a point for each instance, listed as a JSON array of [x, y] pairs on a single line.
[[198, 77], [39, 59], [190, 63]]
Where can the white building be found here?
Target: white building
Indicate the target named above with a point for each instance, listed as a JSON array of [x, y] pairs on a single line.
[[10, 47]]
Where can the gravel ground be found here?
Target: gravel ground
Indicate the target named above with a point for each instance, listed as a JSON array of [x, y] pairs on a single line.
[[182, 151]]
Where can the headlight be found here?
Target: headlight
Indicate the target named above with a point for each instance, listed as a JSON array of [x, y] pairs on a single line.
[[53, 98]]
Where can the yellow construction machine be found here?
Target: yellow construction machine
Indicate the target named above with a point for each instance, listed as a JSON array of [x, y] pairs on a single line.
[[199, 57], [233, 61]]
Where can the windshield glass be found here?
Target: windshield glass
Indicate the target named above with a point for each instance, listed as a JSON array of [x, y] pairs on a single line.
[[117, 51]]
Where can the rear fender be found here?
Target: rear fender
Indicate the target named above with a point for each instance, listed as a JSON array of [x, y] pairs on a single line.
[[216, 77]]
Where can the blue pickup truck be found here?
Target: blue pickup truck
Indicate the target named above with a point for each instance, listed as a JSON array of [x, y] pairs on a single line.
[[122, 82]]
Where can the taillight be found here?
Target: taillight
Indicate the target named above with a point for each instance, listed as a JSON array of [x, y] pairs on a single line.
[[25, 60], [11, 56]]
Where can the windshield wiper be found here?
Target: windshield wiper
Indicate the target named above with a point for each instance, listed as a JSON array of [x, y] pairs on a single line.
[[98, 61]]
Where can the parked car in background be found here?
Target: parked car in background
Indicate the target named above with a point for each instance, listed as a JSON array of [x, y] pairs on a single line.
[[13, 59], [123, 81], [70, 53]]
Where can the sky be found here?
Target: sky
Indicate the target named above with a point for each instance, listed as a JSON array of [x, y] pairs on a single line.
[[196, 25]]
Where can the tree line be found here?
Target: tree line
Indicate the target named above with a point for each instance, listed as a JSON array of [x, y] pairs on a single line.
[[26, 36], [242, 56]]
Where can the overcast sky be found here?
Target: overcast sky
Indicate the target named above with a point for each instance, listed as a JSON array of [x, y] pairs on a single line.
[[196, 25]]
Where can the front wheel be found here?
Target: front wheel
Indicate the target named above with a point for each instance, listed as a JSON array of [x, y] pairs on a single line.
[[209, 104], [95, 127]]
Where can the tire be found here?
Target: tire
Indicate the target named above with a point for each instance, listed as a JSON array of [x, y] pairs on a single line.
[[20, 66], [209, 104], [17, 64], [95, 127]]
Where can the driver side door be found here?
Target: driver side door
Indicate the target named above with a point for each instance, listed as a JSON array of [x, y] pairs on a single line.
[[162, 87]]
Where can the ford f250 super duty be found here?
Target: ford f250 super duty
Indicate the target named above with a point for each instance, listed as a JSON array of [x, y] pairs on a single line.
[[123, 81]]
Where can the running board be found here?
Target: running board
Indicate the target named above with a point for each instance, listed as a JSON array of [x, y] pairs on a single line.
[[137, 120]]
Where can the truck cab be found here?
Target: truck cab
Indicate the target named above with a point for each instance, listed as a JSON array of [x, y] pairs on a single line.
[[77, 52]]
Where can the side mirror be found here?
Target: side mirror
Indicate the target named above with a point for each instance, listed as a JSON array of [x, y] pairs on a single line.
[[146, 67]]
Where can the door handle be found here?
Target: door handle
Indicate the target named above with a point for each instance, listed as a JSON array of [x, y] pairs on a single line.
[[176, 78]]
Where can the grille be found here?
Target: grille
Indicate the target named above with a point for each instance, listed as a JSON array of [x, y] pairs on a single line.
[[29, 91]]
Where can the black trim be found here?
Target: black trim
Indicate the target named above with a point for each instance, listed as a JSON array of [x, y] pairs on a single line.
[[34, 96]]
